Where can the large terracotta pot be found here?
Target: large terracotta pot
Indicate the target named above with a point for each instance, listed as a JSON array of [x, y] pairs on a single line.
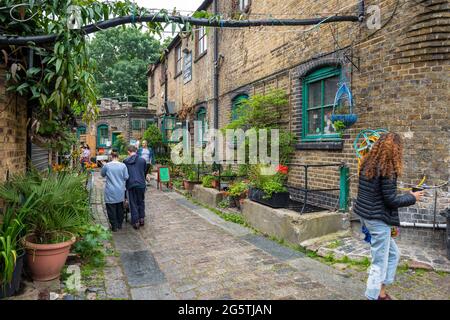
[[46, 260]]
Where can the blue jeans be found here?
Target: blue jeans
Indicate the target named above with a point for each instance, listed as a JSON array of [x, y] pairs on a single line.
[[385, 257]]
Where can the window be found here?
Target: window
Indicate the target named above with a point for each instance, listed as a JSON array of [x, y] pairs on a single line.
[[236, 105], [178, 65], [202, 41], [244, 5], [319, 89], [136, 125], [81, 130], [169, 124], [102, 135], [201, 116], [152, 85]]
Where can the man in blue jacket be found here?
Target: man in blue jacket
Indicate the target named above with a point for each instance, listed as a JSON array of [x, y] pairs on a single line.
[[136, 186]]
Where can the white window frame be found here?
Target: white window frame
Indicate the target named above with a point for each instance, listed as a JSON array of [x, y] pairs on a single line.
[[202, 41], [243, 5]]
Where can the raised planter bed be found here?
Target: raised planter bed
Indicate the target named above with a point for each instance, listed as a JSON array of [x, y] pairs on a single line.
[[278, 199], [208, 196]]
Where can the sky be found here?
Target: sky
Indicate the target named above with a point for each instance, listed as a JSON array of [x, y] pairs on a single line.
[[189, 5], [180, 5]]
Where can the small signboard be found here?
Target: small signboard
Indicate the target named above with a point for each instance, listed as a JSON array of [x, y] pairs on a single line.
[[164, 175], [187, 67]]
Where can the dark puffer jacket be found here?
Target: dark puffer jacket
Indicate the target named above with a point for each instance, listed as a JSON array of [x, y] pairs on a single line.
[[378, 199]]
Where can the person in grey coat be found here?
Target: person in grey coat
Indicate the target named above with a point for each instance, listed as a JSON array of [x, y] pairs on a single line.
[[116, 174]]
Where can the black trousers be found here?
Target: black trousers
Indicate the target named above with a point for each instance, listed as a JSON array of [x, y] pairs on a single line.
[[115, 214], [136, 197]]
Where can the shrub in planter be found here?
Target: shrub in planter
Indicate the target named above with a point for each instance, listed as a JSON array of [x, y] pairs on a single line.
[[57, 206], [270, 189], [207, 181], [190, 181], [238, 192]]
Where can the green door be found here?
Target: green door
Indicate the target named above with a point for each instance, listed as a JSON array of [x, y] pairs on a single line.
[[114, 137]]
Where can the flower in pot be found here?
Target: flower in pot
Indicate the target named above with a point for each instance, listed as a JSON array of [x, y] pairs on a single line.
[[270, 189], [238, 192], [57, 206], [216, 181]]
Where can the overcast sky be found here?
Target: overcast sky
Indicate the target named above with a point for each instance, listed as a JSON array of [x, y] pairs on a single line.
[[189, 5]]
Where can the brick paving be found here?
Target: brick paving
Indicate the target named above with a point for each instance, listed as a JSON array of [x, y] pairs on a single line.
[[187, 252]]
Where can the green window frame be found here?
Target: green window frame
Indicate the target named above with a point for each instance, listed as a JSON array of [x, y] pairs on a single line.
[[318, 93], [81, 130], [236, 104], [102, 135], [168, 125], [201, 116], [136, 124]]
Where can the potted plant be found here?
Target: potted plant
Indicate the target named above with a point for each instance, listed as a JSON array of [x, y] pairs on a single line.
[[11, 252], [270, 190], [57, 206], [207, 181], [215, 182], [190, 181], [238, 192]]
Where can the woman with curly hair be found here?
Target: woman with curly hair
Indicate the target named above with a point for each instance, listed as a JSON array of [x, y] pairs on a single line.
[[377, 205]]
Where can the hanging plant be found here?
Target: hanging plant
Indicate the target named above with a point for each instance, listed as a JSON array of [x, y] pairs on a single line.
[[347, 120]]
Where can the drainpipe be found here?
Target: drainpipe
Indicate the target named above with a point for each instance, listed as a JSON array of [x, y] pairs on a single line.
[[423, 225], [216, 70], [166, 89], [361, 11]]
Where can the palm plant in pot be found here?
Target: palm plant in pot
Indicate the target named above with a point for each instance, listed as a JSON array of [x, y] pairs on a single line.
[[59, 209]]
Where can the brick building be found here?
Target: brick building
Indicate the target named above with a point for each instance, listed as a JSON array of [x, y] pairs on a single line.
[[398, 75], [117, 118]]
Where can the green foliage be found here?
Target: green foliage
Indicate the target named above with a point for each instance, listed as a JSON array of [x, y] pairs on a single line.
[[62, 81], [120, 145], [207, 181], [191, 176], [153, 136], [56, 203], [225, 203], [264, 112], [238, 189], [269, 184], [122, 56], [90, 246], [339, 126]]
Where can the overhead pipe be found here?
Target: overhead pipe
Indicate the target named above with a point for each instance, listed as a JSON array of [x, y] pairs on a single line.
[[114, 22], [423, 225]]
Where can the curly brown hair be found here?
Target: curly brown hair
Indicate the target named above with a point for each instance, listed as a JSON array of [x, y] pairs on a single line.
[[385, 157]]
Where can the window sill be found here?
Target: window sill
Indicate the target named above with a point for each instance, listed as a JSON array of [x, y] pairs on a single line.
[[200, 56], [178, 74], [320, 145]]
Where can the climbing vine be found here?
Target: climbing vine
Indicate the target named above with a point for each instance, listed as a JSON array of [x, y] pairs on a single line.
[[57, 77]]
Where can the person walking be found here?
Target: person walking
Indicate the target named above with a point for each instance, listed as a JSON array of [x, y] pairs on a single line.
[[146, 153], [85, 156], [116, 174], [377, 205], [136, 186]]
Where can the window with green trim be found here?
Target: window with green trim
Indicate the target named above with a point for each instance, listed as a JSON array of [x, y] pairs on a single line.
[[81, 130], [102, 135], [201, 116], [136, 125], [319, 90], [236, 105], [169, 124]]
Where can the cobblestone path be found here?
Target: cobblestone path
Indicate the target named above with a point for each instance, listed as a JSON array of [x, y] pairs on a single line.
[[188, 252]]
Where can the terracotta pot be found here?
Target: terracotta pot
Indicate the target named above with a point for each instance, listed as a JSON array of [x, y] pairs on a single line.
[[215, 184], [46, 260]]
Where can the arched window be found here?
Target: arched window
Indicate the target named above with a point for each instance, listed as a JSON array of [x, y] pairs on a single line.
[[102, 135], [201, 116], [319, 90], [81, 130], [236, 104]]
